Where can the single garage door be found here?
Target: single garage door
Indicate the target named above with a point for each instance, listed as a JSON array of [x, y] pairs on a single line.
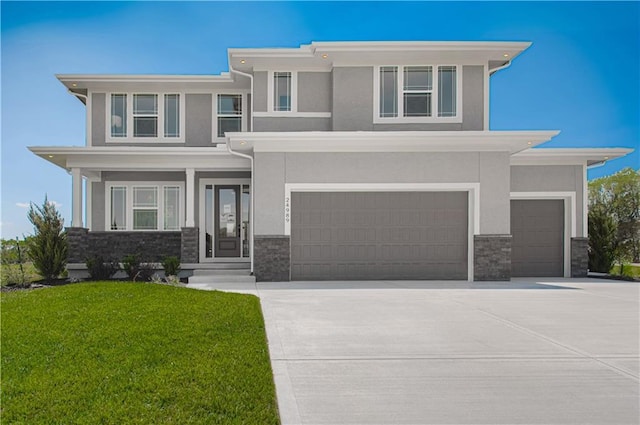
[[378, 235], [537, 229]]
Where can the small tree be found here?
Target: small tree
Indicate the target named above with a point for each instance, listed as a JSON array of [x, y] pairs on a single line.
[[48, 248], [602, 240]]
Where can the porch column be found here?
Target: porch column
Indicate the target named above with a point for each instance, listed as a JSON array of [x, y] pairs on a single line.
[[76, 196], [190, 198]]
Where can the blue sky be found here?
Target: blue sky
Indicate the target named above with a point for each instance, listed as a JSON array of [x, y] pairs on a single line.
[[580, 76]]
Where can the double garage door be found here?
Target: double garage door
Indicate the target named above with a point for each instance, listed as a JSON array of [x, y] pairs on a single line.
[[379, 235]]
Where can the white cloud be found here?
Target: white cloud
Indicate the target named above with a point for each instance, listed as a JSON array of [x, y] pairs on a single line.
[[27, 204]]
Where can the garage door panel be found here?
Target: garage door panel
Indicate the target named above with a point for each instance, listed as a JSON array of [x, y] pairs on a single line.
[[379, 235], [537, 228]]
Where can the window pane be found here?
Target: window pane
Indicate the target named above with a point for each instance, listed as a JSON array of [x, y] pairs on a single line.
[[447, 91], [171, 115], [389, 91], [171, 208], [229, 104], [118, 208], [417, 104], [418, 78], [145, 126], [282, 91], [229, 124], [145, 197], [145, 219], [118, 115], [145, 104]]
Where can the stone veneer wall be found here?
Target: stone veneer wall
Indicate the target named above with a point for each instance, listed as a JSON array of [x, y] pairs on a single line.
[[579, 257], [189, 248], [272, 258], [150, 246], [492, 257]]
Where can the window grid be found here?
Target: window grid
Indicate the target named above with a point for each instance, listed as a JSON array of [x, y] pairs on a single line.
[[171, 115], [145, 207], [282, 91], [417, 85], [447, 91], [229, 113], [145, 116], [118, 115]]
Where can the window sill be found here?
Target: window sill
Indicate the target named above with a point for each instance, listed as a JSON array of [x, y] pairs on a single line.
[[418, 120], [149, 140]]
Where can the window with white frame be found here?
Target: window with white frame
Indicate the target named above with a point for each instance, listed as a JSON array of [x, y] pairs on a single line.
[[145, 116], [229, 113], [423, 92], [282, 91], [144, 206]]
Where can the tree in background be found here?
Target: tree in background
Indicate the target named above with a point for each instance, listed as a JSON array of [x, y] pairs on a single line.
[[48, 248], [614, 219]]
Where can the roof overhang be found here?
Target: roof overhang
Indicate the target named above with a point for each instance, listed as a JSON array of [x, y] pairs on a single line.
[[92, 160], [388, 141], [324, 55], [96, 82], [568, 156]]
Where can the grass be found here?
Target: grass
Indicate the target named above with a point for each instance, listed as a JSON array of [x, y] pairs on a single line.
[[629, 271], [134, 353]]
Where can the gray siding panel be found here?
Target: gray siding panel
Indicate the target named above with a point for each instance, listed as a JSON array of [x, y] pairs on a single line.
[[473, 98], [260, 91], [292, 124], [537, 227], [494, 192], [551, 178], [314, 91], [97, 206], [379, 235], [98, 116], [269, 171], [198, 116], [150, 176], [352, 99], [418, 127]]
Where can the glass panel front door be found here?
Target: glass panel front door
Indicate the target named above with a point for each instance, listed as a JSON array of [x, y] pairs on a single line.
[[227, 223]]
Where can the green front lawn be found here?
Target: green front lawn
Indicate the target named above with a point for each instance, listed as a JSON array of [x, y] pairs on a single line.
[[629, 270], [134, 353]]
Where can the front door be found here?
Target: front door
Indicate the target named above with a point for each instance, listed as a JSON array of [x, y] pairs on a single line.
[[227, 222]]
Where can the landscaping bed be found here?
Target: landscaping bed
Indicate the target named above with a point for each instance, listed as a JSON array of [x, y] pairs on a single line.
[[113, 353]]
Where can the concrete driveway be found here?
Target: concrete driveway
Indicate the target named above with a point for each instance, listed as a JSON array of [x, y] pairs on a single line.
[[525, 352]]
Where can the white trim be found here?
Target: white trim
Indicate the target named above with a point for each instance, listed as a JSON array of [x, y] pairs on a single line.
[[190, 176], [294, 91], [284, 114], [473, 205], [585, 203], [569, 199], [76, 198], [434, 118], [129, 203], [88, 108], [567, 156], [89, 202], [487, 90], [203, 182], [160, 139]]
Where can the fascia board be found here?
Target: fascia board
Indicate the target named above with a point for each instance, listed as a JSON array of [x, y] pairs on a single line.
[[567, 156]]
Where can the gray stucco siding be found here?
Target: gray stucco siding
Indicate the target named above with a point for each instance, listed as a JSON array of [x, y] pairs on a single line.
[[269, 169], [98, 115], [291, 124], [198, 117], [260, 91], [551, 178], [473, 97], [494, 192], [352, 99], [97, 206], [314, 92]]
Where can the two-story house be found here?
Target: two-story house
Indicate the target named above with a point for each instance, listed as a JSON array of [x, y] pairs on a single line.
[[331, 161]]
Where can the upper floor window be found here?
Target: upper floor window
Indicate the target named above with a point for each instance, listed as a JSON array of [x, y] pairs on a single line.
[[145, 116], [229, 113], [282, 91], [417, 93]]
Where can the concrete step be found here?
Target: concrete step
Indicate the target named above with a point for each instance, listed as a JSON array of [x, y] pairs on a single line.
[[221, 272], [231, 265], [223, 279]]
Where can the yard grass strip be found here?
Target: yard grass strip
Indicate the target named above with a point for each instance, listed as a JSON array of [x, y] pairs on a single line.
[[134, 353]]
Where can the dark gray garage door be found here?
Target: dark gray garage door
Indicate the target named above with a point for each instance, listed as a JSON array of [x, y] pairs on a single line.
[[378, 235], [537, 228]]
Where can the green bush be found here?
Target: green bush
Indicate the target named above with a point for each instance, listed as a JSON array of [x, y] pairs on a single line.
[[137, 270], [48, 248], [602, 240], [171, 266], [99, 269]]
